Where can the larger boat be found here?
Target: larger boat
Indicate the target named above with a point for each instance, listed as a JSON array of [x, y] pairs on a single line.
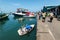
[[19, 13], [30, 15]]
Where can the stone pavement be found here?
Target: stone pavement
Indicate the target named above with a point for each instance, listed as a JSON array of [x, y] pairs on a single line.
[[43, 31]]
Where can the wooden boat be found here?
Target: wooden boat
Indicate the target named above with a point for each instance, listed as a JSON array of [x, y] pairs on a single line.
[[3, 16], [24, 31]]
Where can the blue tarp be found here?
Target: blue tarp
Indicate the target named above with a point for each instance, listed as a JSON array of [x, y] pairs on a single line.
[[28, 27]]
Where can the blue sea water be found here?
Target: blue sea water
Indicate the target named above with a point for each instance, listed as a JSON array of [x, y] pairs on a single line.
[[9, 27]]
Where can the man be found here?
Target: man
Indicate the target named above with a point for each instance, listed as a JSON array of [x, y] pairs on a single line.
[[39, 15], [51, 16], [43, 16]]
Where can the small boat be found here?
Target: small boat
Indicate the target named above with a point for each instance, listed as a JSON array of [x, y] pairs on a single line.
[[2, 16], [24, 31]]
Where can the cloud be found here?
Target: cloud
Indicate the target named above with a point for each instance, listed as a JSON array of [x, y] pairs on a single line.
[[16, 4]]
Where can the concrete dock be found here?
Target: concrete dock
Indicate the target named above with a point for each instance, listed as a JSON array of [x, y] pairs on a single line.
[[43, 32]]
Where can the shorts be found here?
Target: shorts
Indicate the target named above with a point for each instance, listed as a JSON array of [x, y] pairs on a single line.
[[43, 17], [51, 18]]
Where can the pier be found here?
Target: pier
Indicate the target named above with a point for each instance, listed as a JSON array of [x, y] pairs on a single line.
[[43, 32]]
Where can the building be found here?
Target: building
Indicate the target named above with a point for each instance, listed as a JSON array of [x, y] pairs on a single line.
[[54, 9]]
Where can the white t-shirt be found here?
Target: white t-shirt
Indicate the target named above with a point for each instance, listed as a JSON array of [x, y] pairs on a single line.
[[51, 14], [43, 14]]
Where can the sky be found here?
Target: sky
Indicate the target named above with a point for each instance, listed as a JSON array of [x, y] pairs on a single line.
[[31, 5]]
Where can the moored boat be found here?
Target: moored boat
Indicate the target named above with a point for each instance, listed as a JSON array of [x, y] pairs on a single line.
[[25, 30], [3, 16], [30, 15], [19, 13]]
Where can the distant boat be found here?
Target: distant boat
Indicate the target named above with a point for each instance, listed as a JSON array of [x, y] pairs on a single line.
[[3, 16], [30, 15], [19, 13], [24, 31]]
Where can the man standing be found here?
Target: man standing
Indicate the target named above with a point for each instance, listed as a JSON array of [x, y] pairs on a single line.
[[39, 15], [43, 16], [51, 16]]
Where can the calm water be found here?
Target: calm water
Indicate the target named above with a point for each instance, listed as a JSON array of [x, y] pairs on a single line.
[[9, 27]]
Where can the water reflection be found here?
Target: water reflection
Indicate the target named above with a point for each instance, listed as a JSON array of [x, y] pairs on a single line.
[[9, 28], [30, 20], [2, 22], [17, 17]]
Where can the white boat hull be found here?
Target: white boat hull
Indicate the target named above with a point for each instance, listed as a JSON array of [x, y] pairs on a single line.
[[23, 31], [19, 14], [30, 16]]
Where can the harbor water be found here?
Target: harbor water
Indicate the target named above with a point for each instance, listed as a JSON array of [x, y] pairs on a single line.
[[10, 25]]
